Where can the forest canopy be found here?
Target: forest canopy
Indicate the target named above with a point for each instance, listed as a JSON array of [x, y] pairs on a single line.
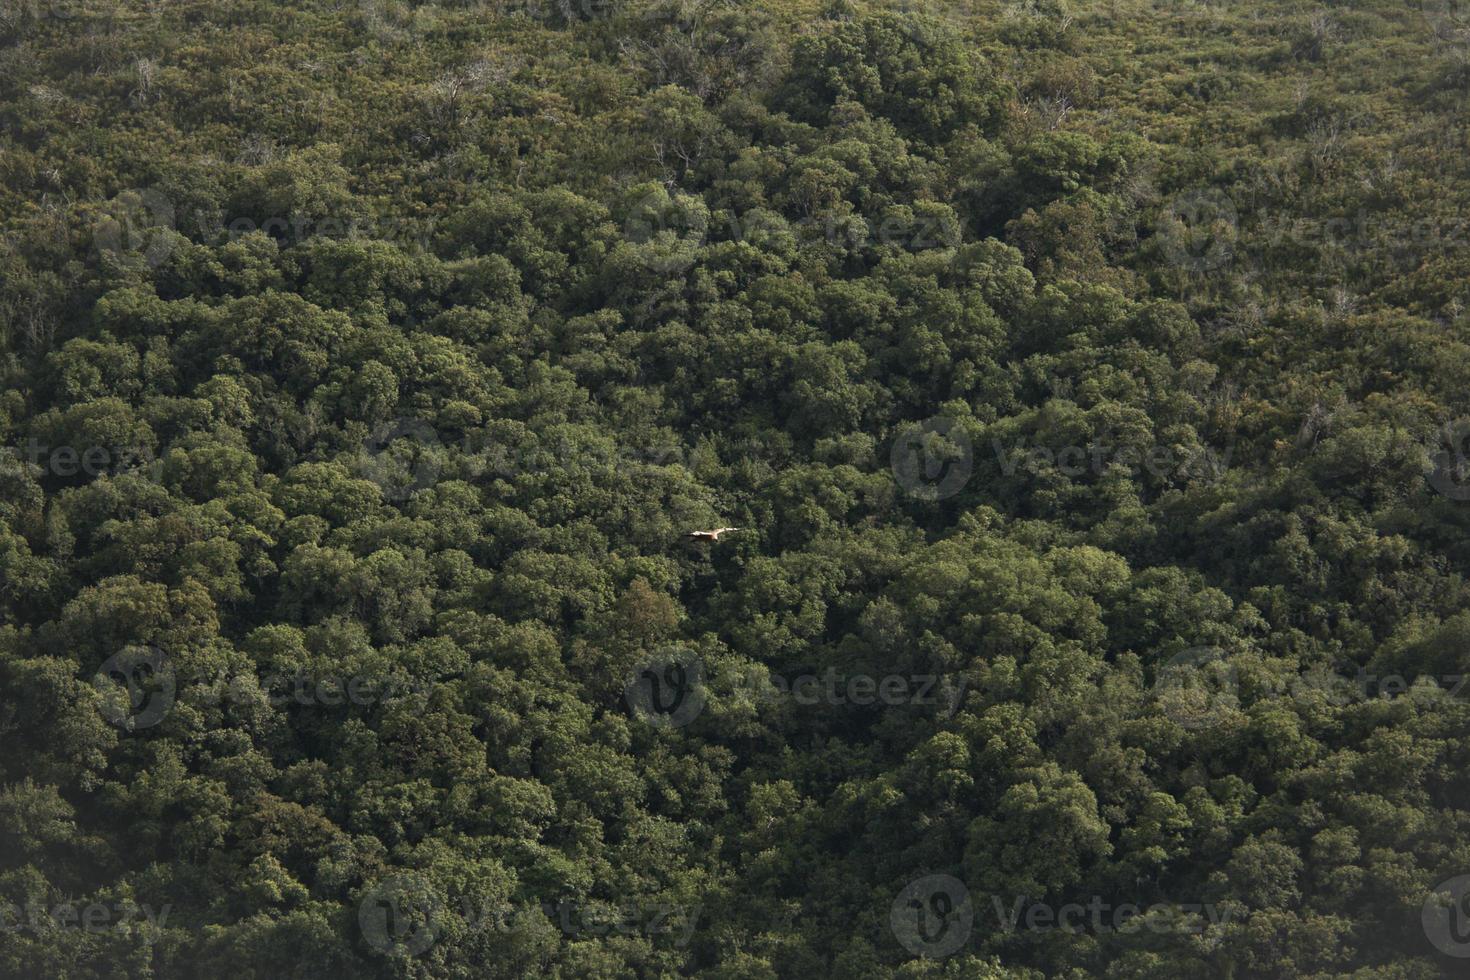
[[1074, 390]]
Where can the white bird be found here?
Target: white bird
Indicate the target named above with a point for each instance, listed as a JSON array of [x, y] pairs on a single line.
[[710, 535]]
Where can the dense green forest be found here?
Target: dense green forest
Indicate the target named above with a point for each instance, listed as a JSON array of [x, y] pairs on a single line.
[[1088, 385]]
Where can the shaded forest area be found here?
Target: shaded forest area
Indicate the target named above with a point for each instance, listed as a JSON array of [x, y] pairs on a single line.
[[1089, 386]]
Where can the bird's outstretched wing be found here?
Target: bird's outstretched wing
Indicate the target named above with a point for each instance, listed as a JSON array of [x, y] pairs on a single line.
[[713, 535]]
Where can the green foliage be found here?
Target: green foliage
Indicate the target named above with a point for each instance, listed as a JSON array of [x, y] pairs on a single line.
[[367, 364]]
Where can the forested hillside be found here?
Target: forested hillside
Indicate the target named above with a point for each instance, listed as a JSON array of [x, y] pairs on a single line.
[[1088, 388]]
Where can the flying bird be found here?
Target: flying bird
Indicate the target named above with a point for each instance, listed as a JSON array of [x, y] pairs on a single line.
[[710, 535]]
